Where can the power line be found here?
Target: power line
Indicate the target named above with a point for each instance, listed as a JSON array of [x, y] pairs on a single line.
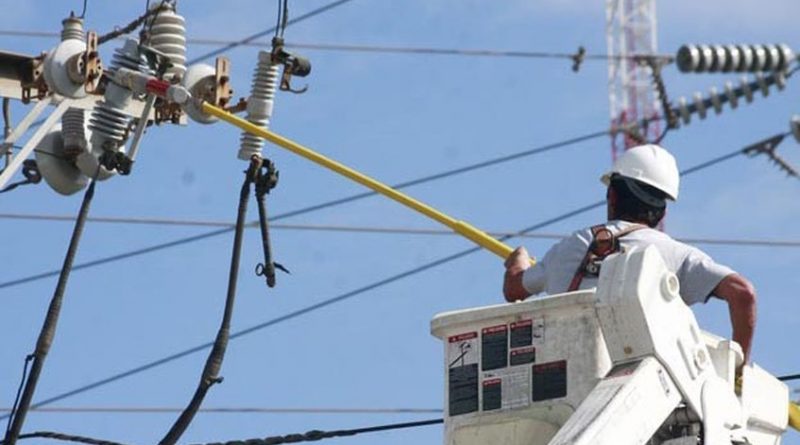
[[228, 410], [309, 436], [384, 49], [373, 229], [345, 296], [324, 205], [266, 32]]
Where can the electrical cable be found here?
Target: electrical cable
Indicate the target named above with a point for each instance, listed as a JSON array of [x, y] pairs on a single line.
[[130, 27], [230, 410], [83, 13], [309, 436], [22, 381], [213, 365], [786, 378], [385, 49], [389, 230], [277, 22], [350, 294], [260, 34], [314, 435], [48, 331], [66, 438], [324, 205]]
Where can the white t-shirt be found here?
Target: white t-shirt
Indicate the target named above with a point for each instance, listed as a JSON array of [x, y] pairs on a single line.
[[696, 271]]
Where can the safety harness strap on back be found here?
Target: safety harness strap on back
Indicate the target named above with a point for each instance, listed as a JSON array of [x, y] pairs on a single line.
[[604, 243]]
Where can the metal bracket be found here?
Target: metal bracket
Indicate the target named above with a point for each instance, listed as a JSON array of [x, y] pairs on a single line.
[[92, 65], [222, 78], [17, 161], [33, 79]]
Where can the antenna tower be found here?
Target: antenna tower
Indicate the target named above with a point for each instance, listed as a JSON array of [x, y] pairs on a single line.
[[630, 32]]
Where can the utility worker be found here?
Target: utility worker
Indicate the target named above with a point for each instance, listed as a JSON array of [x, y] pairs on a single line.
[[639, 184]]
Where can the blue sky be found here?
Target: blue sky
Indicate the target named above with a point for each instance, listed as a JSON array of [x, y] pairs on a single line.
[[395, 117]]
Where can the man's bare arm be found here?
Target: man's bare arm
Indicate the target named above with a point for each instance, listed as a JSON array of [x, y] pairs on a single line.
[[741, 298], [516, 263]]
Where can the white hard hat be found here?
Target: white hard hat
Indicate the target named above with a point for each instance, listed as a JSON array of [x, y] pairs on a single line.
[[649, 164]]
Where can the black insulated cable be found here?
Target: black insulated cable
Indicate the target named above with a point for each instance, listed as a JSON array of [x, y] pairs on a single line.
[[309, 436], [260, 34], [48, 332], [210, 375]]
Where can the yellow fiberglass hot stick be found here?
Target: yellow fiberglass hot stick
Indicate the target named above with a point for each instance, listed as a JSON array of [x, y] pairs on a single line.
[[794, 416], [464, 229]]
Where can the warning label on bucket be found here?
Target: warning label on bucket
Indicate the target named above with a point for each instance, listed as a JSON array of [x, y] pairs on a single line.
[[462, 374], [507, 388], [494, 347], [521, 333], [549, 381], [523, 356], [463, 389], [462, 349]]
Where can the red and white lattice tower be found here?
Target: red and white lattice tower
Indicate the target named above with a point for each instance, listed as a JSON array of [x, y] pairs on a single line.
[[631, 31]]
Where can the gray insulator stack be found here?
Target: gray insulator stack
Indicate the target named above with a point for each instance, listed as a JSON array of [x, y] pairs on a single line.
[[700, 105], [72, 28], [108, 124], [260, 103], [168, 35], [734, 58], [73, 122], [74, 131]]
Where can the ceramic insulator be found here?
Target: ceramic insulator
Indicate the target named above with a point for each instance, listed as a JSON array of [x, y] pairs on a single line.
[[260, 104], [74, 131], [108, 124], [168, 35], [72, 29]]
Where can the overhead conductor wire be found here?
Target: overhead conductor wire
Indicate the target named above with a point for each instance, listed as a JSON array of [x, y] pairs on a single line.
[[260, 34], [348, 295], [388, 230], [320, 206], [309, 436], [48, 331], [380, 49]]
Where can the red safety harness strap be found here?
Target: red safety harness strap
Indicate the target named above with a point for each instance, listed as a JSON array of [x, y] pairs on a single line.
[[604, 243]]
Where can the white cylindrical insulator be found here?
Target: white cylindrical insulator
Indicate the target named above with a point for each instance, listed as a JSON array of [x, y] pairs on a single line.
[[108, 124], [780, 80], [732, 58], [748, 92], [733, 99], [713, 95], [700, 105], [72, 28], [199, 79], [57, 63], [74, 131], [54, 164], [260, 103], [794, 124], [762, 85], [168, 35], [746, 53], [759, 58], [683, 108]]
